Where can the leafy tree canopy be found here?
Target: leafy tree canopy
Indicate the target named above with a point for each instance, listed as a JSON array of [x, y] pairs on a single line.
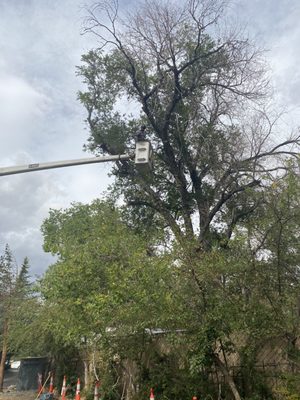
[[104, 274], [201, 91]]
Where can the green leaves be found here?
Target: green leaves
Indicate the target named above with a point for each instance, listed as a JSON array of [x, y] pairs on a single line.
[[104, 275], [19, 308], [109, 288]]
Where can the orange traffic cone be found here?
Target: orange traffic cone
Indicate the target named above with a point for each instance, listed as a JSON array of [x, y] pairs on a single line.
[[51, 386], [151, 394], [40, 383], [64, 389], [96, 391], [77, 397]]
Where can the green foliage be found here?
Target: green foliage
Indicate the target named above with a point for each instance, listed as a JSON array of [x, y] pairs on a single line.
[[96, 248], [8, 272], [20, 307], [289, 387], [105, 287], [222, 302], [205, 249]]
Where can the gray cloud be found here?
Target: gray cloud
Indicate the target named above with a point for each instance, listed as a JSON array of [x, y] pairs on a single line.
[[275, 26], [25, 200], [41, 120]]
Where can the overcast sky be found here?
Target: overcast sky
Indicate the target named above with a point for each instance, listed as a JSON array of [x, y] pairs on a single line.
[[41, 120]]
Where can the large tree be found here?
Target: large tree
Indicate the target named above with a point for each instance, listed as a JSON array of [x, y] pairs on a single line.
[[109, 289], [201, 90], [14, 290], [7, 279]]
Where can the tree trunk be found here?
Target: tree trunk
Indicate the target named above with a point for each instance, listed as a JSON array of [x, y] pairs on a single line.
[[4, 353], [228, 378], [86, 373]]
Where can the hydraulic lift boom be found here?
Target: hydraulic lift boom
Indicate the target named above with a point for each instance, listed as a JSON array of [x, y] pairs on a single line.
[[142, 159], [20, 169]]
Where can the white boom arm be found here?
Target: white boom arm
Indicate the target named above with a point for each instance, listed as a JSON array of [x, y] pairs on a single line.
[[142, 160], [60, 164]]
